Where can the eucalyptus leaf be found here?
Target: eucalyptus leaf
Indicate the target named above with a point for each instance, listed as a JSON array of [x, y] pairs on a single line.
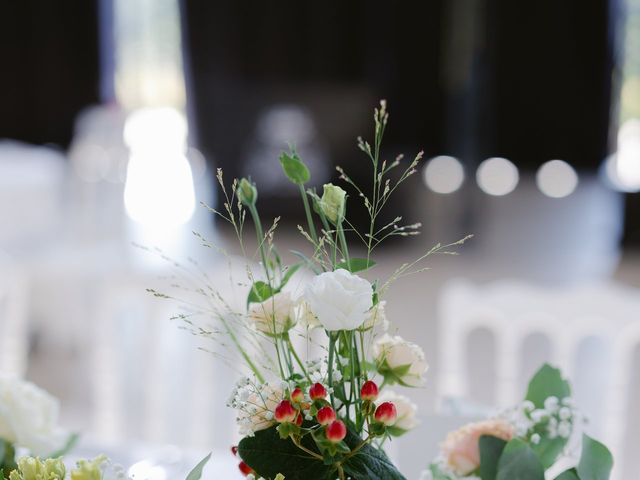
[[260, 291], [356, 264], [596, 460], [294, 169], [519, 462], [490, 451], [196, 473]]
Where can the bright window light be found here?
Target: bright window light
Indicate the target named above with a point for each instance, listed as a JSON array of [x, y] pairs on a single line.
[[556, 179], [497, 176], [443, 174], [159, 186]]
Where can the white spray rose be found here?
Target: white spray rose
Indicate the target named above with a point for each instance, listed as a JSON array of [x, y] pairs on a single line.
[[276, 315], [377, 317], [306, 317], [340, 300], [29, 417], [400, 361], [405, 408]]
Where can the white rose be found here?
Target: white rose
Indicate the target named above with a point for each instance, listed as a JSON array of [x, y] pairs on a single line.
[[29, 417], [405, 408], [377, 317], [400, 361], [306, 317], [340, 300], [275, 316]]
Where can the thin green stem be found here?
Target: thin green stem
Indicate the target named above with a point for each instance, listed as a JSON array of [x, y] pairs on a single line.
[[332, 348], [295, 355], [307, 210], [343, 243]]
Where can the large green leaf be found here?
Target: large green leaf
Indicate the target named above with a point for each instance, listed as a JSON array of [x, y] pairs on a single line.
[[269, 455], [356, 264], [196, 473], [547, 382], [596, 460], [568, 475], [490, 451], [519, 462], [294, 169]]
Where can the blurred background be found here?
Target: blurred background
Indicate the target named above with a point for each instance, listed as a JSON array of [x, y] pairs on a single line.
[[115, 115]]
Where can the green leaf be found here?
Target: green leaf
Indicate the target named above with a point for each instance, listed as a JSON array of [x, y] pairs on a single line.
[[596, 460], [548, 449], [268, 455], [568, 475], [519, 462], [196, 473], [547, 382], [260, 291], [356, 264], [294, 169], [490, 451]]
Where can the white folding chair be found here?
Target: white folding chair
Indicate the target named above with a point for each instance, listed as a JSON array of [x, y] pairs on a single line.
[[591, 331]]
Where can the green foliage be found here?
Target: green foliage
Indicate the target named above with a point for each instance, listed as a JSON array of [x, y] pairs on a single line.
[[294, 169], [548, 382], [356, 264], [196, 473], [268, 455], [519, 462], [259, 292], [596, 461], [491, 449], [545, 383], [568, 475]]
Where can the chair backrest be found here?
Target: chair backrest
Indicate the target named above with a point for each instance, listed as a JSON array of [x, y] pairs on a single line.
[[151, 380], [14, 327], [591, 331]]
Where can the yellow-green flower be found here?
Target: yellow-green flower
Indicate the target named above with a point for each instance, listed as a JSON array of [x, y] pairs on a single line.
[[30, 468], [333, 203], [89, 469]]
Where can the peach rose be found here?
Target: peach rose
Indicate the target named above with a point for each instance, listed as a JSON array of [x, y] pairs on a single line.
[[461, 449]]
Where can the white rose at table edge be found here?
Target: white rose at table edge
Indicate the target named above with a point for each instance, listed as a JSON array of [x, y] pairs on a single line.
[[275, 316], [29, 417], [400, 361], [339, 299], [406, 419], [461, 448]]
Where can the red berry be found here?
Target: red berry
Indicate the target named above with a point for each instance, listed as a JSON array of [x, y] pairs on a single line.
[[285, 413], [299, 420], [336, 431], [326, 415], [245, 469], [297, 395], [386, 413], [369, 391], [234, 450], [317, 391]]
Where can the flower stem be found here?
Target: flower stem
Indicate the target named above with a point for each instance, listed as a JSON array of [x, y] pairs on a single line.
[[295, 355], [307, 210], [332, 348]]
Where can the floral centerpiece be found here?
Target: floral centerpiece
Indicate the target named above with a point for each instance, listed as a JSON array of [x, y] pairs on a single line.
[[328, 416]]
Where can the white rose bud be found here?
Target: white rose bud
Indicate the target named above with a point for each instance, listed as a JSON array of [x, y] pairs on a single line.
[[406, 410], [29, 417], [333, 203], [340, 300], [376, 317], [400, 361], [275, 316]]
